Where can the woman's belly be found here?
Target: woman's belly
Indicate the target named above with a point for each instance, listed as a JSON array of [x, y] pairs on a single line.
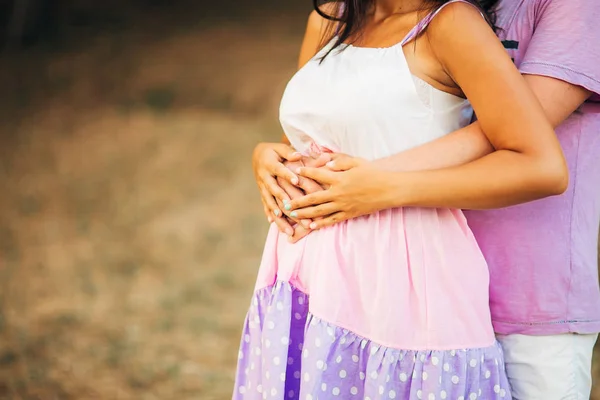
[[408, 278]]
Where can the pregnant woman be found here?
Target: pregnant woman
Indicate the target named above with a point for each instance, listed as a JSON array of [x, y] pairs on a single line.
[[394, 304]]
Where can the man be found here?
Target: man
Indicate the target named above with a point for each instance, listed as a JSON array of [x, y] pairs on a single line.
[[544, 294], [542, 255]]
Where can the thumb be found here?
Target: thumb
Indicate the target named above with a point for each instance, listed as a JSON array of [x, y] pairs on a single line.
[[319, 175], [287, 153], [342, 163]]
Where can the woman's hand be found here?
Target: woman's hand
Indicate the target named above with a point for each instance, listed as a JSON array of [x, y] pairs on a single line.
[[358, 191], [304, 186], [267, 164], [272, 165]]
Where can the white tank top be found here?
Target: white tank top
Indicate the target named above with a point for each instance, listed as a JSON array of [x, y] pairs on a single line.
[[365, 102]]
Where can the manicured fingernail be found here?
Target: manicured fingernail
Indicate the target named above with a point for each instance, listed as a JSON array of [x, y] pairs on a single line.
[[277, 213], [289, 232], [270, 220], [313, 225], [296, 154], [294, 181], [330, 164], [288, 206], [294, 214], [298, 170]]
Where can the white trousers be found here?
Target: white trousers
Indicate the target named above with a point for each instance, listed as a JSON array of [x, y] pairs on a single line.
[[555, 367]]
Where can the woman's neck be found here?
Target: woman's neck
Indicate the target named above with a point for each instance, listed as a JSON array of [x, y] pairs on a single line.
[[383, 9]]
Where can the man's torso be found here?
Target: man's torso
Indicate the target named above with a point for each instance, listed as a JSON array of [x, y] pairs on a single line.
[[543, 255]]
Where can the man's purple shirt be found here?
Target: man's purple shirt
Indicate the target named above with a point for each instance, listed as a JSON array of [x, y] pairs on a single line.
[[543, 256]]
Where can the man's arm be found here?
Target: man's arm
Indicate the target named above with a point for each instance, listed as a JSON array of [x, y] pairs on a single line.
[[558, 98]]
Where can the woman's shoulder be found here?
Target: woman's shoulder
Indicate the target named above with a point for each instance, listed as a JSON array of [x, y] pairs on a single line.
[[453, 15], [458, 23], [319, 30]]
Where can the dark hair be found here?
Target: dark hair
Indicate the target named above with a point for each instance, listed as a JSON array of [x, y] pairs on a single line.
[[347, 17]]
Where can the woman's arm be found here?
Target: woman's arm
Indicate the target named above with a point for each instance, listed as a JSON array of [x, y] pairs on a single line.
[[527, 163]]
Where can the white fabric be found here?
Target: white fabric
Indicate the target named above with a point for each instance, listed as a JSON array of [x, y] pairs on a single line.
[[555, 367], [365, 102]]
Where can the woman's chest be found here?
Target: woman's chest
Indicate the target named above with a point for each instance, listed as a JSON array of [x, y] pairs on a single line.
[[350, 89]]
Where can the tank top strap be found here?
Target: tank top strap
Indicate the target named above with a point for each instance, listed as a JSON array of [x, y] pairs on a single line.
[[424, 23]]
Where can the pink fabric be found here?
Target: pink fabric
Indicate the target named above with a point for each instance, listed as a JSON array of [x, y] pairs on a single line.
[[419, 270], [543, 255]]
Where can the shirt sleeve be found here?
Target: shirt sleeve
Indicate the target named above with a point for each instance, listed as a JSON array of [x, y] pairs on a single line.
[[565, 43]]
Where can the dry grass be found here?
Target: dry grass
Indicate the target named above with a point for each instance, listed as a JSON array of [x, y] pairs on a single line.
[[130, 229]]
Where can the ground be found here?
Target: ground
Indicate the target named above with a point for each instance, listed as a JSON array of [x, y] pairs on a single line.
[[130, 227]]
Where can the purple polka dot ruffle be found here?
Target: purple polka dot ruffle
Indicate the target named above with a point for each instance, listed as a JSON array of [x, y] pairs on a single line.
[[286, 353]]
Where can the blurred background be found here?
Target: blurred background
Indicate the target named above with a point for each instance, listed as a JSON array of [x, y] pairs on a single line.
[[130, 227]]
